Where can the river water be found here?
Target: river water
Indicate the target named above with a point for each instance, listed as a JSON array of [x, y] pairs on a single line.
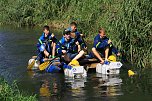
[[18, 45]]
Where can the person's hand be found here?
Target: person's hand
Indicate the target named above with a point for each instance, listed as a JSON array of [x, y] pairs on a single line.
[[81, 35], [52, 35], [109, 41], [63, 51], [118, 54], [50, 56], [85, 48], [102, 61], [77, 43]]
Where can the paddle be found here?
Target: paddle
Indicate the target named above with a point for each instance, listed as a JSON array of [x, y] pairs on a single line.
[[30, 66], [46, 63]]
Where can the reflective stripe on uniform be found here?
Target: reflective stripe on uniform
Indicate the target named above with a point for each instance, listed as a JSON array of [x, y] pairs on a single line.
[[98, 44], [82, 44], [57, 49], [40, 41]]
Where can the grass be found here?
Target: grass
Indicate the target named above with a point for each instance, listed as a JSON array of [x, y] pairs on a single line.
[[12, 93], [127, 22]]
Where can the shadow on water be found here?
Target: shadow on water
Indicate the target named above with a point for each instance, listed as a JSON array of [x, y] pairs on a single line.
[[17, 45]]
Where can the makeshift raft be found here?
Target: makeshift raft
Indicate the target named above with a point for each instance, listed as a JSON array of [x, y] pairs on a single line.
[[85, 65]]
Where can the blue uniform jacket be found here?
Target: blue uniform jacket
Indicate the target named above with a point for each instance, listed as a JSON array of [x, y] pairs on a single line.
[[78, 38], [101, 43], [69, 46], [47, 39], [45, 43]]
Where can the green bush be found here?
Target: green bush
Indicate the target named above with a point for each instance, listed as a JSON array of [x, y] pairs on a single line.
[[12, 93]]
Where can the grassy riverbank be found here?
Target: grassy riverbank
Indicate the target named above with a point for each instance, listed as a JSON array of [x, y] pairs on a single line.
[[12, 93], [128, 22]]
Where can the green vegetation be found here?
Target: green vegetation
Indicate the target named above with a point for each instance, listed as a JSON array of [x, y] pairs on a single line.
[[12, 93], [128, 22], [139, 84]]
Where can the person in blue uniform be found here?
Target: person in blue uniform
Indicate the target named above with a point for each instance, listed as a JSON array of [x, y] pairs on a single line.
[[46, 44], [103, 47], [77, 35], [67, 47]]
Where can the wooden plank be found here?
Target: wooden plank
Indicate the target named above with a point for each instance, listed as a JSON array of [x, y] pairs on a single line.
[[87, 61], [93, 65]]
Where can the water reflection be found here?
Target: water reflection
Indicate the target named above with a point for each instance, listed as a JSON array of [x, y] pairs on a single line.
[[48, 86], [31, 74], [75, 83], [109, 85], [75, 88], [44, 89], [51, 87], [48, 90]]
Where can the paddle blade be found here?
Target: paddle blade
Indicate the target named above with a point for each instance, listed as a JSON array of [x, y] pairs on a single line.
[[44, 65], [30, 66]]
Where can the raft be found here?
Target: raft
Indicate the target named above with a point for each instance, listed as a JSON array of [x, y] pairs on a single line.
[[85, 65]]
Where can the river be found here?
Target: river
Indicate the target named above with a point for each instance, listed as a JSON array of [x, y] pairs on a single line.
[[18, 45]]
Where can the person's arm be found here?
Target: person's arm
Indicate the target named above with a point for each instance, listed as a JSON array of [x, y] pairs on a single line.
[[78, 45], [52, 38], [53, 50], [41, 40], [58, 48], [114, 50], [81, 41]]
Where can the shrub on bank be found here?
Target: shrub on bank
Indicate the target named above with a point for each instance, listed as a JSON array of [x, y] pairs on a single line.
[[12, 93]]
